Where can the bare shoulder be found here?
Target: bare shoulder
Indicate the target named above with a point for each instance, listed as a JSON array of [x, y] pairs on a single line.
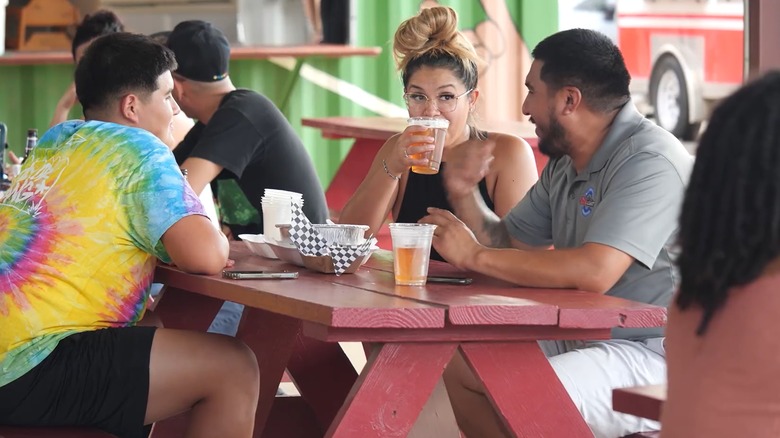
[[512, 171], [509, 148], [393, 139], [390, 142]]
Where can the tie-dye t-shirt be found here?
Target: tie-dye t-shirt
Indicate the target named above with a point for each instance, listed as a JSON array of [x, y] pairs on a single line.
[[80, 232]]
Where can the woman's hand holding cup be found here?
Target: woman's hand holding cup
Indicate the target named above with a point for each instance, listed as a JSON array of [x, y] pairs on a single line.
[[430, 159], [410, 149]]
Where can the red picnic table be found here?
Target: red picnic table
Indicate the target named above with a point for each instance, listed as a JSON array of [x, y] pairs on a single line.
[[296, 325]]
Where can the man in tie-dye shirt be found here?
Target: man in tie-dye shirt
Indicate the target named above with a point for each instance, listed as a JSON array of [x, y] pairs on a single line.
[[81, 229]]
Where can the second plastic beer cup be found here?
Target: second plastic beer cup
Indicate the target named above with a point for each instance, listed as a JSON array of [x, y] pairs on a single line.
[[437, 128], [411, 251]]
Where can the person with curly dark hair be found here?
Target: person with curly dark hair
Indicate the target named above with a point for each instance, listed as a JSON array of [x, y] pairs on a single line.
[[721, 345]]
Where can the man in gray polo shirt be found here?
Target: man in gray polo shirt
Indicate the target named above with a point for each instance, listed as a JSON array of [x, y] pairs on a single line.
[[608, 201]]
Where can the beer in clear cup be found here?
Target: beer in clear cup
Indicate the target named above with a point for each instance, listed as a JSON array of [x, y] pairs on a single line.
[[411, 252], [437, 128]]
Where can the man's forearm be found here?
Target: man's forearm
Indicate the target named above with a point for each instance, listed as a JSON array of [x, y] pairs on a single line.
[[486, 226], [592, 267]]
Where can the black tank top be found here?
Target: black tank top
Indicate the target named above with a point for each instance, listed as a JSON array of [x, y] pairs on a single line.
[[423, 191]]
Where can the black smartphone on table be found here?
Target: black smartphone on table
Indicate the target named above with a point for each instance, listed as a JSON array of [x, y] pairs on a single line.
[[449, 280], [259, 275]]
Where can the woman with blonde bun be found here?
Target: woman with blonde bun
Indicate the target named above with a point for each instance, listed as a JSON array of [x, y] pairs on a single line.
[[438, 68]]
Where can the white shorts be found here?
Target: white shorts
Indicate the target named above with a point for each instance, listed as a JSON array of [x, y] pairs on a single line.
[[590, 370]]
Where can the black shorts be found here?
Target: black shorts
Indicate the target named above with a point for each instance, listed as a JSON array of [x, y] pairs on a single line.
[[98, 378]]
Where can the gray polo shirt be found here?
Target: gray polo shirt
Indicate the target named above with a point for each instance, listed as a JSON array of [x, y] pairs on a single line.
[[629, 198]]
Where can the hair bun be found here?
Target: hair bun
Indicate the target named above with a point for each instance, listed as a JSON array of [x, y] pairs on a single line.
[[443, 26], [432, 30]]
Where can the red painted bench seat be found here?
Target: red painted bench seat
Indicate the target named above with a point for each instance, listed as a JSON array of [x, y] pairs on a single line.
[[642, 401], [52, 432]]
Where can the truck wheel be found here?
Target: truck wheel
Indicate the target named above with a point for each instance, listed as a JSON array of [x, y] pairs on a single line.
[[669, 97]]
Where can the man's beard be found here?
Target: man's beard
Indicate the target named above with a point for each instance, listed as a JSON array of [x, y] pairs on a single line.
[[553, 143]]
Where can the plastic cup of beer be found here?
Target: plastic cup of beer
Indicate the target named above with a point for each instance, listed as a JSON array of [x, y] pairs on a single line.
[[437, 128], [411, 252]]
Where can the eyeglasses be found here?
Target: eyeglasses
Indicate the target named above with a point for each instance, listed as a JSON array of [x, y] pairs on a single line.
[[445, 103]]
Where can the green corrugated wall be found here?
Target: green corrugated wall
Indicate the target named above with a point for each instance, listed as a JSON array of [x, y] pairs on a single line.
[[28, 94]]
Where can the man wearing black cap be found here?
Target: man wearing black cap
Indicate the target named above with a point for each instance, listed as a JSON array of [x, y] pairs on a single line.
[[240, 134]]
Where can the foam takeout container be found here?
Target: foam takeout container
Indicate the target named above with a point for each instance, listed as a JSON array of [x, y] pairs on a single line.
[[258, 245]]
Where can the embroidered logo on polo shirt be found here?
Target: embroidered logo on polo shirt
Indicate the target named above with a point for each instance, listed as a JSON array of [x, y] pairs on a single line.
[[587, 202]]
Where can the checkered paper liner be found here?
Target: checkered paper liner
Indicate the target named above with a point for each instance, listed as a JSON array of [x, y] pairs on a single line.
[[310, 243]]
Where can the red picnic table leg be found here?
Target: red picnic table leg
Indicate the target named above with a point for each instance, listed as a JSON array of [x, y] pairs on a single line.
[[272, 337], [524, 390], [389, 394], [351, 172], [179, 309], [184, 310], [323, 374]]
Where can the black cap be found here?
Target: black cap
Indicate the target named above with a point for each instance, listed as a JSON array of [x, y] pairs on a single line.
[[161, 37], [202, 51]]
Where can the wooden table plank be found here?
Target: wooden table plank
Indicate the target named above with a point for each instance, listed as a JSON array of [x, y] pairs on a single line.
[[302, 51], [575, 309], [451, 332], [238, 52], [465, 304], [382, 128], [311, 297]]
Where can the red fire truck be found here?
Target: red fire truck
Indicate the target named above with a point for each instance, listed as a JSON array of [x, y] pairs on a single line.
[[683, 56]]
